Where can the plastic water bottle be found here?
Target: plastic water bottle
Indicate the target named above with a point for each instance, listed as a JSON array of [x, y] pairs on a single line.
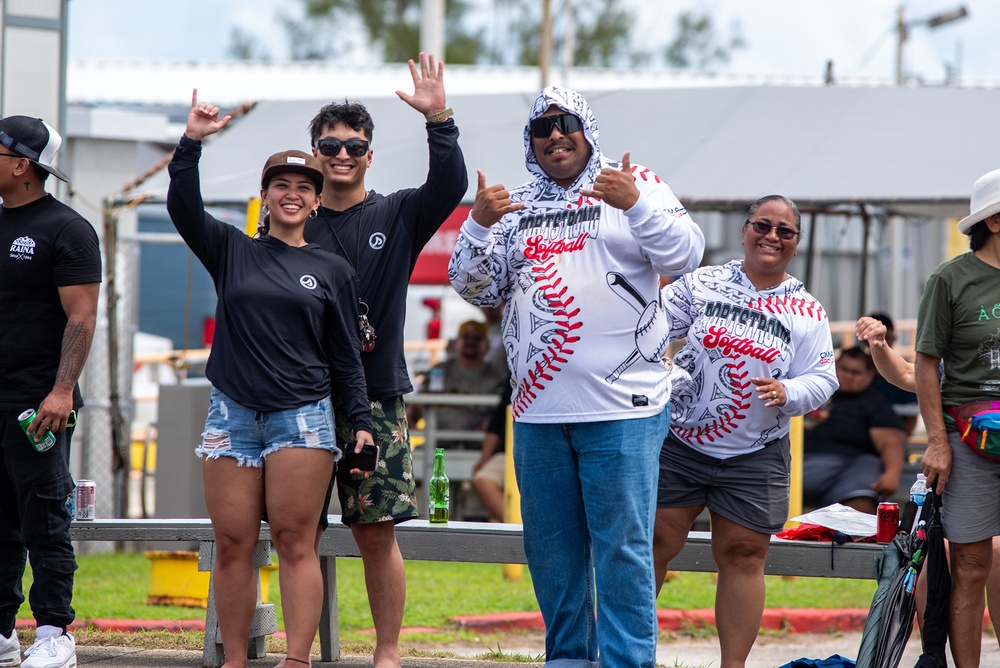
[[918, 492], [436, 381]]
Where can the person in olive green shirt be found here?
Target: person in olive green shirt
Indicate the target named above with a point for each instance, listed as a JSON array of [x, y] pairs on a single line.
[[958, 322]]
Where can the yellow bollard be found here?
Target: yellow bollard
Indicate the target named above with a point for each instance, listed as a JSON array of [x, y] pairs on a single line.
[[253, 216], [511, 495], [795, 437]]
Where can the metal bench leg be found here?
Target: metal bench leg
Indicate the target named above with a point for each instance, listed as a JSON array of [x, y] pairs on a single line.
[[329, 621], [265, 618], [212, 654]]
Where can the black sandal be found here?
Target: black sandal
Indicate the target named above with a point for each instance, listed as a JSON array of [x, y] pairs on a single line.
[[288, 658]]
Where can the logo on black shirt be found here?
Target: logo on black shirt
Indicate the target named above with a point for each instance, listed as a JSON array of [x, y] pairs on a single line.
[[308, 282], [376, 241], [23, 248]]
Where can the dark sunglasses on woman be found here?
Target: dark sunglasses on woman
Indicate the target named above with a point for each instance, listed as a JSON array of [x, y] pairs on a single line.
[[783, 232], [567, 123], [330, 147]]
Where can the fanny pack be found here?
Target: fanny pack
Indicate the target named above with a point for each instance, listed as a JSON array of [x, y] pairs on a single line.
[[978, 424]]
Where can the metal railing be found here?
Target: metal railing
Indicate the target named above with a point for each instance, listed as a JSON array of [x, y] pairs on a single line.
[[458, 462]]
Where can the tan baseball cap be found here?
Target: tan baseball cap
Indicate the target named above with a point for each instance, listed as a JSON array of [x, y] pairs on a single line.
[[298, 162]]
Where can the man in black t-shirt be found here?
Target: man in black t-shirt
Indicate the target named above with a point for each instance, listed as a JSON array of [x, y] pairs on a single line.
[[381, 236], [854, 445], [50, 265]]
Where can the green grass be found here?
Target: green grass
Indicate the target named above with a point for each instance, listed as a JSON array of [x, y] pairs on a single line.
[[115, 585]]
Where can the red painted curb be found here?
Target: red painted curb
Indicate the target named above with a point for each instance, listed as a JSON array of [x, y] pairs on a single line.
[[789, 620], [500, 621], [147, 624]]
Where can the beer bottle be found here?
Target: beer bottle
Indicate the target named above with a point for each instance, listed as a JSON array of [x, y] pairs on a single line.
[[439, 490]]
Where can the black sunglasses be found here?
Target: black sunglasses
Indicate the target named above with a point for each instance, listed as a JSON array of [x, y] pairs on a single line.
[[785, 233], [567, 123], [330, 147]]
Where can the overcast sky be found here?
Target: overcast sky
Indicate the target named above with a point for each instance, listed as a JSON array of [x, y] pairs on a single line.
[[784, 37]]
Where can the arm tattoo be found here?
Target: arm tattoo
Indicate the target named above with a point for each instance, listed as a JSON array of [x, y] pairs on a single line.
[[75, 346]]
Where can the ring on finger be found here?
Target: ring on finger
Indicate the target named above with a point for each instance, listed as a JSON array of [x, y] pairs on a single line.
[[774, 394]]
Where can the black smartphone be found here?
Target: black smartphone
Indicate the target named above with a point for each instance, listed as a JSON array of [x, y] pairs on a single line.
[[366, 460]]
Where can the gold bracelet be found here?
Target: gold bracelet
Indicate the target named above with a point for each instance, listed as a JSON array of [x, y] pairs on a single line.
[[439, 116]]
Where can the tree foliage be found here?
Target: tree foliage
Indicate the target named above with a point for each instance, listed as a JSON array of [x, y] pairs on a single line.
[[392, 27], [605, 33], [602, 33], [698, 46]]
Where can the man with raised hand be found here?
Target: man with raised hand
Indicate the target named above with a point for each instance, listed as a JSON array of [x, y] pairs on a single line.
[[381, 236]]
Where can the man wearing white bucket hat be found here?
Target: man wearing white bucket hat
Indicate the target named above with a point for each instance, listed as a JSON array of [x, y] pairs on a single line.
[[959, 323]]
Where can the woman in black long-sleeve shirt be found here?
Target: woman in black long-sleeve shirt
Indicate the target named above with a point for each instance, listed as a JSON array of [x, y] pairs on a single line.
[[286, 339]]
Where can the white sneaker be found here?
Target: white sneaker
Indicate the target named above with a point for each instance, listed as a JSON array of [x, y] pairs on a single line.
[[52, 649], [10, 650]]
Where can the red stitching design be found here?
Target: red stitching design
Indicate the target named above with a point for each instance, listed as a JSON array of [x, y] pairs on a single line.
[[645, 174], [800, 306], [731, 415], [558, 351]]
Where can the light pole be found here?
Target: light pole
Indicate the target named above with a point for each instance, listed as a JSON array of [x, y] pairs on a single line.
[[903, 28]]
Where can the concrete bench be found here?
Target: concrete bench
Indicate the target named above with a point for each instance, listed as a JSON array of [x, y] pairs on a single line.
[[456, 541]]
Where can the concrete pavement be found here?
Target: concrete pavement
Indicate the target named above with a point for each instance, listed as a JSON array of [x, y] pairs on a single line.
[[769, 651]]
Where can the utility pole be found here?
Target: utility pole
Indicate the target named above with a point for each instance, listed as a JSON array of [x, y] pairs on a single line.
[[545, 46], [432, 27], [901, 35], [903, 31]]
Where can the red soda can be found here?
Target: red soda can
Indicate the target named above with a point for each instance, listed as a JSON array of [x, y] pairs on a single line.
[[888, 522], [85, 500]]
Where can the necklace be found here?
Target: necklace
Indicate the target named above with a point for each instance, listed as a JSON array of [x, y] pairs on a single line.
[[364, 326]]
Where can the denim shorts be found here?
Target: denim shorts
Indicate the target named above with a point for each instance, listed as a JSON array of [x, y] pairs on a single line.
[[249, 436]]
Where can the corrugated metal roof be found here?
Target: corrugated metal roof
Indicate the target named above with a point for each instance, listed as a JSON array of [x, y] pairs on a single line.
[[915, 150], [152, 83]]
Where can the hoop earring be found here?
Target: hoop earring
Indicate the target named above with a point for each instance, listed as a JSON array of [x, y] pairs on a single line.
[[315, 212]]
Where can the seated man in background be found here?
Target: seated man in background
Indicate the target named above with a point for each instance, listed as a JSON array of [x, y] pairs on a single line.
[[488, 472], [465, 372], [855, 444], [903, 402]]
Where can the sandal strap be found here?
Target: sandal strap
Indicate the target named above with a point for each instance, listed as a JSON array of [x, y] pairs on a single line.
[[288, 658]]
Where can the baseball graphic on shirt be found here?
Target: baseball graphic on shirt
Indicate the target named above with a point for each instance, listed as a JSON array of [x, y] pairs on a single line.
[[650, 331], [545, 335]]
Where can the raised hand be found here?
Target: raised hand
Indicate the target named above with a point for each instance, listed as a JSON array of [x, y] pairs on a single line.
[[203, 119], [616, 187], [492, 203], [870, 330], [428, 86]]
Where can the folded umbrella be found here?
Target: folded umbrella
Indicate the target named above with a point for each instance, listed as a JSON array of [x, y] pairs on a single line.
[[890, 618], [935, 631]]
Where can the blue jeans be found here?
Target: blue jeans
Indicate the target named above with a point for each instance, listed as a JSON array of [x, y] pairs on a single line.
[[588, 499]]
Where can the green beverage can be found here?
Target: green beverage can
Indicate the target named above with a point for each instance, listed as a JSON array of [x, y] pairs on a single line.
[[440, 490], [47, 440]]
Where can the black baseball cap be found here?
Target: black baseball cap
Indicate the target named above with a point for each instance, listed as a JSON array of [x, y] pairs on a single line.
[[34, 139]]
